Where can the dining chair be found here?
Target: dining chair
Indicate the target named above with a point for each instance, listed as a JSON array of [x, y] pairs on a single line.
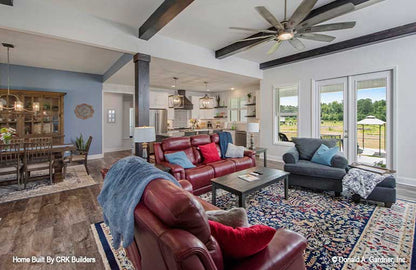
[[81, 156], [40, 140], [37, 157], [10, 162], [17, 140]]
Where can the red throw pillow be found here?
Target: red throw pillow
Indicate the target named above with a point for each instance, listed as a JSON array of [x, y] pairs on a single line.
[[241, 242], [209, 152]]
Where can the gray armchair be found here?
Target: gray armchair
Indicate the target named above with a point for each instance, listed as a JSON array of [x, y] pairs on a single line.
[[308, 174]]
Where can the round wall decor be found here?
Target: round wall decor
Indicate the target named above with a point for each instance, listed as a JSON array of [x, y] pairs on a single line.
[[84, 111]]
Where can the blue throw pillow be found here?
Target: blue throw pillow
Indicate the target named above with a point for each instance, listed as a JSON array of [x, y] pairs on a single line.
[[324, 155], [180, 158]]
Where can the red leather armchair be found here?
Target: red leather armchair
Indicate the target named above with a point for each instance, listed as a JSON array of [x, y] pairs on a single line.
[[200, 177], [172, 232]]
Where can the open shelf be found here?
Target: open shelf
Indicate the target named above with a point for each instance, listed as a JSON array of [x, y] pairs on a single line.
[[250, 104], [221, 107], [220, 117], [250, 116]]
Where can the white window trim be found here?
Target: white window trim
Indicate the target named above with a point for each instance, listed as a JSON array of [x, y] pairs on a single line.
[[393, 105], [276, 140]]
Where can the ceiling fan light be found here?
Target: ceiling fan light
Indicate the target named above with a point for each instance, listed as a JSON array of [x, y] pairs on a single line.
[[285, 35]]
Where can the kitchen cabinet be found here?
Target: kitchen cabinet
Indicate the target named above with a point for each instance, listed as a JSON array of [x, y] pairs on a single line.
[[158, 100], [195, 111]]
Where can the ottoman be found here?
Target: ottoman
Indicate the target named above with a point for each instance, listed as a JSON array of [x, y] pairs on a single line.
[[384, 192]]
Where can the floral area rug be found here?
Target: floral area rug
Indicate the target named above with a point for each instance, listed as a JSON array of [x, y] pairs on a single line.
[[341, 234], [76, 177]]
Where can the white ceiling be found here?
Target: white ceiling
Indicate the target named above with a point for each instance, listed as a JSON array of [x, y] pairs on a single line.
[[205, 23], [37, 51], [132, 13], [190, 77]]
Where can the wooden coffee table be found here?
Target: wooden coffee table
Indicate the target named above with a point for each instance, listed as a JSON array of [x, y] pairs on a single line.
[[242, 188]]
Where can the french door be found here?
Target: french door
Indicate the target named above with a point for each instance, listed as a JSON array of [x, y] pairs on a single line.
[[357, 112]]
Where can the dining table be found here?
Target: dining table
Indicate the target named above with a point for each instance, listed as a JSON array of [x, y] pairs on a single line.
[[58, 151]]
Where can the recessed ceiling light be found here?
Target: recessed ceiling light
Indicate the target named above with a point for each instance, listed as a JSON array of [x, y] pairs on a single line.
[[232, 88]]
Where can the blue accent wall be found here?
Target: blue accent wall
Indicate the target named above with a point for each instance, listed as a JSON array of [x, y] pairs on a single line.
[[79, 88]]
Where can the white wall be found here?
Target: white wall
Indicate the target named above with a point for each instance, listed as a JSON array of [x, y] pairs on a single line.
[[399, 54], [115, 135]]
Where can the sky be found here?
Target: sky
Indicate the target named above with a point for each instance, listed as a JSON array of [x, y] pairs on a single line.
[[373, 93]]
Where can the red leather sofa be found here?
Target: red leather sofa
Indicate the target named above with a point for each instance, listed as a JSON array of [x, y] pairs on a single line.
[[200, 176], [172, 232]]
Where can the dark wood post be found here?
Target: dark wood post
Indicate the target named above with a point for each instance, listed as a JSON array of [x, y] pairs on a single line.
[[141, 93]]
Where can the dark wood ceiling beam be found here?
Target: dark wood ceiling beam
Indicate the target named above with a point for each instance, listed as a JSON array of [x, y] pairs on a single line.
[[168, 10], [6, 2], [242, 46], [385, 35]]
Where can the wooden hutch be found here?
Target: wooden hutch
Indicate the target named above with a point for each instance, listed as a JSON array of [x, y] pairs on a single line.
[[49, 121]]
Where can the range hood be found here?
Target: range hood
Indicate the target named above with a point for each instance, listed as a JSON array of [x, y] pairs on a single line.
[[180, 101]]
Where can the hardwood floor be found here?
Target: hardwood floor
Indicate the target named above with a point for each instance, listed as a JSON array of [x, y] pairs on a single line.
[[59, 224]]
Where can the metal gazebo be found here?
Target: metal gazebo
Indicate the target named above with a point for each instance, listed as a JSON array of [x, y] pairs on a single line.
[[372, 120]]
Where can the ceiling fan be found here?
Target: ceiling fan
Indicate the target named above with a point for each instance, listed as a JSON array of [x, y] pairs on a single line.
[[295, 27]]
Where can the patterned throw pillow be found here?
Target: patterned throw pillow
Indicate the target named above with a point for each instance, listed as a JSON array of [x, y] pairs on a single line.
[[234, 151], [235, 217]]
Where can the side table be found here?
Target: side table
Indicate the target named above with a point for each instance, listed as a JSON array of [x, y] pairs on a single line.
[[260, 150]]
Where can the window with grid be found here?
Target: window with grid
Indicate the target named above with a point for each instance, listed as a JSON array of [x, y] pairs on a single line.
[[238, 110], [285, 113]]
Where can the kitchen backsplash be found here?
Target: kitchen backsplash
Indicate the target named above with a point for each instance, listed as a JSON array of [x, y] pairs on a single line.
[[181, 118]]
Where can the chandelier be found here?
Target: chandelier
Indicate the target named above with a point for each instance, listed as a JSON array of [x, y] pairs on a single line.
[[206, 102], [6, 99], [176, 101]]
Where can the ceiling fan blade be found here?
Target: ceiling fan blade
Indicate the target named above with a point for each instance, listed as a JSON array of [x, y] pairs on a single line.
[[274, 47], [316, 37], [269, 17], [330, 14], [301, 12], [254, 38], [327, 27], [297, 44], [253, 30]]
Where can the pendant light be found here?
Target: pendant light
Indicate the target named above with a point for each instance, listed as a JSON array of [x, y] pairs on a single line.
[[18, 104], [206, 102], [176, 100]]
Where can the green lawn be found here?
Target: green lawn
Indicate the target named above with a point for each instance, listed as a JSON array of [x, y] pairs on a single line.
[[371, 133]]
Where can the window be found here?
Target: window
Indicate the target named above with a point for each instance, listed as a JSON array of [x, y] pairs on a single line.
[[285, 113], [238, 110]]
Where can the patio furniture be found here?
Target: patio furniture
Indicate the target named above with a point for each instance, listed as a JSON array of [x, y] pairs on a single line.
[[305, 173], [336, 137], [10, 162], [283, 137], [80, 157], [38, 157]]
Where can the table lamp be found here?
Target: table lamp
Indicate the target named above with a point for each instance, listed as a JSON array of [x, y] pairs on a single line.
[[252, 128], [144, 135]]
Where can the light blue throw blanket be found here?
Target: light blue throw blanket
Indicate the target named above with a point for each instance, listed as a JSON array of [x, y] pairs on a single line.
[[123, 188], [225, 138]]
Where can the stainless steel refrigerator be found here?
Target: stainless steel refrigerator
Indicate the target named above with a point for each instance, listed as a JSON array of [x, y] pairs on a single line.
[[158, 118]]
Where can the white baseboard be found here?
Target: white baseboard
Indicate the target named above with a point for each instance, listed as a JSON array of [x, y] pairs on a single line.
[[406, 181], [96, 156], [115, 149], [273, 158]]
